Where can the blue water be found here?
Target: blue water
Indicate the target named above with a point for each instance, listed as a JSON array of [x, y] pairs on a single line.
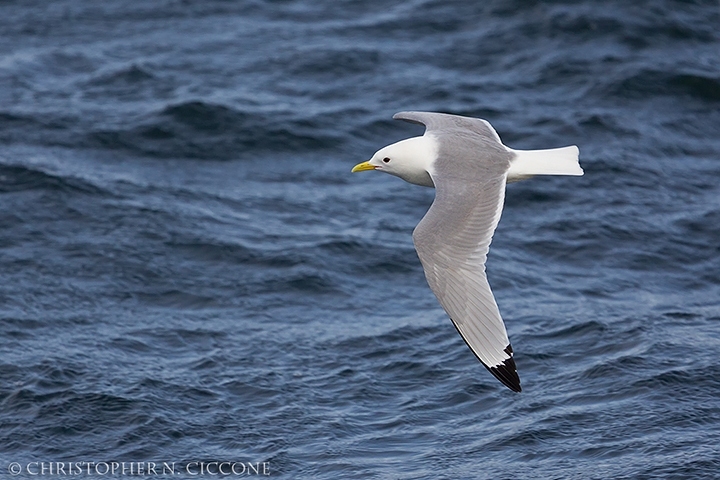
[[189, 272]]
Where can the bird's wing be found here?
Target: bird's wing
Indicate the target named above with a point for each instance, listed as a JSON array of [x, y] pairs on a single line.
[[452, 241], [443, 121]]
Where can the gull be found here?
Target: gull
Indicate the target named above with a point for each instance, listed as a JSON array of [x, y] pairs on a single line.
[[465, 161]]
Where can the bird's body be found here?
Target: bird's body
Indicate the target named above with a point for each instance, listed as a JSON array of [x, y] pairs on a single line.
[[464, 159]]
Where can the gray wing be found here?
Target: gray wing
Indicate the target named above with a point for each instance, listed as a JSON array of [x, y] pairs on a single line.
[[452, 241], [443, 121], [453, 238]]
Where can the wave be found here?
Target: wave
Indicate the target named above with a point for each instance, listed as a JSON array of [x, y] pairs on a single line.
[[193, 129], [653, 82], [235, 254], [21, 178], [302, 282], [132, 75], [203, 130], [698, 381], [41, 128]]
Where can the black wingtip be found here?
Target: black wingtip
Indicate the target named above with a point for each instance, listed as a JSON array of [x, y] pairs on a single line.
[[506, 372]]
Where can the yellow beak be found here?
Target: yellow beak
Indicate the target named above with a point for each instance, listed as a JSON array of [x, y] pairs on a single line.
[[362, 166]]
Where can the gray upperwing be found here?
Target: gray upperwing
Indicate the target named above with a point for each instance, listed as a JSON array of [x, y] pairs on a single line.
[[444, 121], [452, 241], [453, 238]]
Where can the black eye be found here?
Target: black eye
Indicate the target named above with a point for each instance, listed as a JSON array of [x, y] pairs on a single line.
[[386, 160]]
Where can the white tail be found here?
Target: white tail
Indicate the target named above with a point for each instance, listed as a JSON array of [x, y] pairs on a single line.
[[554, 161]]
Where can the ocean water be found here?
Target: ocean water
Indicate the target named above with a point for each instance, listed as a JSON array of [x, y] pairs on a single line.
[[189, 272]]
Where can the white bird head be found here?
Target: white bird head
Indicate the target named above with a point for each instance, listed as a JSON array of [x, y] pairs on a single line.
[[411, 159]]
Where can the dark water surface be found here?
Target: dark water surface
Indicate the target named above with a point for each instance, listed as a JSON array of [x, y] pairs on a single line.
[[189, 272]]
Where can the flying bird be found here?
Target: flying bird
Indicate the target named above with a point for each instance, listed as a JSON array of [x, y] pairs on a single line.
[[467, 164]]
